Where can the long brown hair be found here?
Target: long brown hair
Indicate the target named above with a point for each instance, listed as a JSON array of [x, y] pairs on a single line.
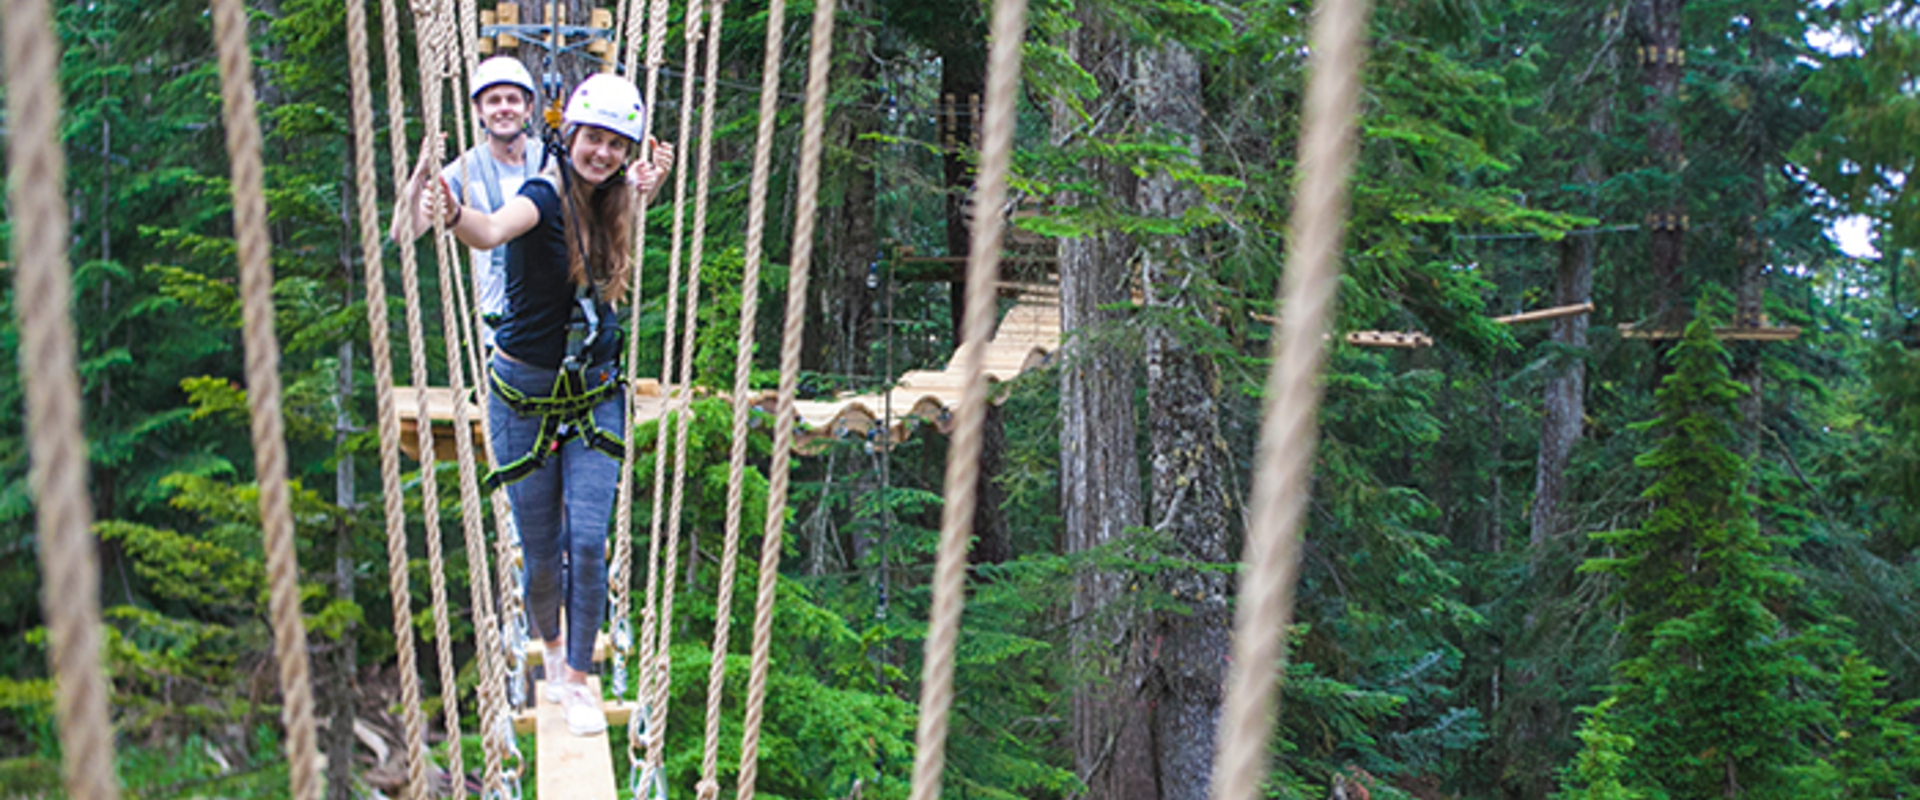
[[606, 213]]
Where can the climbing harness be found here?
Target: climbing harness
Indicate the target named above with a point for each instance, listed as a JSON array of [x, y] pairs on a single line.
[[566, 412]]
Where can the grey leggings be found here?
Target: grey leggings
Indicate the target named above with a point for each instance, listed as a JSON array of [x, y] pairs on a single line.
[[562, 509]]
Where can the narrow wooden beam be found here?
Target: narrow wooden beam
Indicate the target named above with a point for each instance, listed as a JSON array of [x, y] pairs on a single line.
[[1389, 339], [1545, 313], [568, 765], [1785, 333]]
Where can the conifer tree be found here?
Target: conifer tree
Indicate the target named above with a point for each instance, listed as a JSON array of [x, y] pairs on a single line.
[[1702, 697]]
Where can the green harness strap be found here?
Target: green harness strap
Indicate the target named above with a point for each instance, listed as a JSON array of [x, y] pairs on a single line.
[[565, 413]]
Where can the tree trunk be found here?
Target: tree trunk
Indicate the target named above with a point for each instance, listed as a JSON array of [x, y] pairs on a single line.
[[844, 328], [345, 694], [1564, 400], [1660, 71], [1752, 249], [1099, 465], [962, 83], [1189, 505]]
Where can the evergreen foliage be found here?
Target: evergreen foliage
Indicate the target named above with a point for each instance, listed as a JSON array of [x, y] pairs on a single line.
[[1742, 625]]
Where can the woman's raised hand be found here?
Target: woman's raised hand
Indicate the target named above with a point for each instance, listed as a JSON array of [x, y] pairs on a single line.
[[649, 176]]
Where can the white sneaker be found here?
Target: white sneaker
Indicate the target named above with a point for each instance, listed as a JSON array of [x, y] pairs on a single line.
[[553, 689], [584, 715]]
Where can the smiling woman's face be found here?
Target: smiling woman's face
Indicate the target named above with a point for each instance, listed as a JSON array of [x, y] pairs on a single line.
[[597, 153]]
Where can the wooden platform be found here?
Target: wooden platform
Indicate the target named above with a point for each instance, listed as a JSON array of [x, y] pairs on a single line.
[[569, 766]]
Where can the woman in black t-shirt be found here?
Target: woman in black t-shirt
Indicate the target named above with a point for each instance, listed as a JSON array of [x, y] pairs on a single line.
[[557, 410]]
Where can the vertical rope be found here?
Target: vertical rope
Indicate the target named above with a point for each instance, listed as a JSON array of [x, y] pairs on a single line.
[[43, 293], [467, 299], [643, 666], [963, 457], [1289, 432], [438, 50], [417, 358], [491, 691], [620, 579], [659, 630], [688, 341], [461, 327], [630, 35], [396, 516], [742, 404], [263, 392], [813, 127]]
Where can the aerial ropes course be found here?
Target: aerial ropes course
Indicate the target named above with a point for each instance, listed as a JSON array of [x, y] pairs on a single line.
[[446, 51]]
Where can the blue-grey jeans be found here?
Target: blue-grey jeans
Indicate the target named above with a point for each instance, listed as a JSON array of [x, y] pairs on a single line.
[[563, 509]]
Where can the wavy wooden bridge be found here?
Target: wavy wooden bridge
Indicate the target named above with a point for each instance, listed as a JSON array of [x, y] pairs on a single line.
[[1028, 333]]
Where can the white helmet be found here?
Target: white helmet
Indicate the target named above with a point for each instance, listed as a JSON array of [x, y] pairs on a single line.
[[608, 101], [502, 69]]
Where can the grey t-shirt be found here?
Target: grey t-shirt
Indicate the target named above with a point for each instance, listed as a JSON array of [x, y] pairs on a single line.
[[494, 184]]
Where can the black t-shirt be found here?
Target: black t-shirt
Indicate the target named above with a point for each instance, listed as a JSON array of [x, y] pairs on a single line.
[[540, 299]]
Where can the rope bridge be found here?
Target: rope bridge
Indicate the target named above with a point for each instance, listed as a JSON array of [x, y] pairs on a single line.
[[582, 767]]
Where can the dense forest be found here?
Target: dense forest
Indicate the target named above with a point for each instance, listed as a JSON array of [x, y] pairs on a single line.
[[1668, 548]]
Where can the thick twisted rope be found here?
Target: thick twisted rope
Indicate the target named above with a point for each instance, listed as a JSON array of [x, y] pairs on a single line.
[[659, 666], [1289, 432], [813, 126], [396, 515], [437, 50], [963, 457], [465, 293], [263, 392], [492, 690], [707, 788], [620, 579], [644, 671], [466, 45], [630, 35], [461, 327], [417, 357], [43, 293], [742, 403]]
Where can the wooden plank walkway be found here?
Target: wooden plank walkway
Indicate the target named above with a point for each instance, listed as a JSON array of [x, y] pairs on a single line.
[[1024, 339], [569, 766]]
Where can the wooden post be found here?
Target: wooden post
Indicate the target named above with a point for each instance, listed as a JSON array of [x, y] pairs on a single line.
[[506, 14], [485, 45]]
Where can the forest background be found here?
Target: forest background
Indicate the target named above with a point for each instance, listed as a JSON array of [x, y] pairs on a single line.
[[1541, 560]]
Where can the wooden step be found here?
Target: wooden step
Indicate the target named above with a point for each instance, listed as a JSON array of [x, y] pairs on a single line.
[[526, 720], [571, 766], [537, 652]]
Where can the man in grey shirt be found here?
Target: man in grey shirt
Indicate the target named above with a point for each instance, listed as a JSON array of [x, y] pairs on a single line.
[[492, 172]]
